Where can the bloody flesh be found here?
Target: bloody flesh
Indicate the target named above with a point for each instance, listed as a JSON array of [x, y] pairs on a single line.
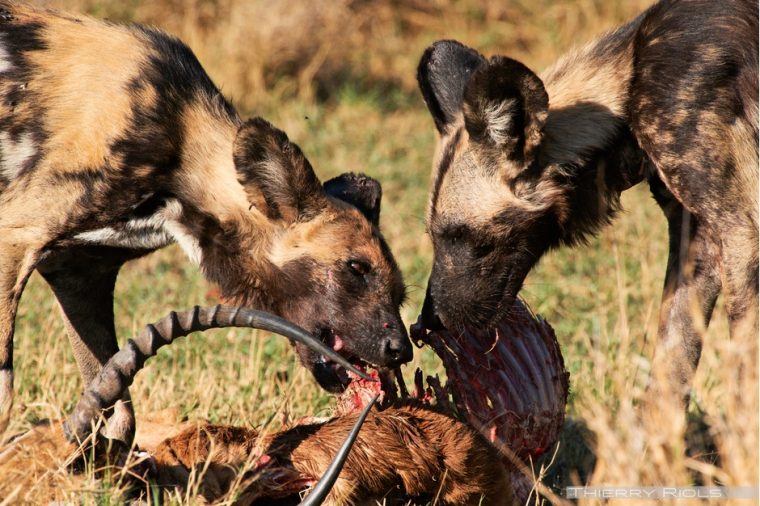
[[509, 382]]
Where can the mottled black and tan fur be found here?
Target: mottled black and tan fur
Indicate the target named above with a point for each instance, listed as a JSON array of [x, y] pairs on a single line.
[[114, 142], [529, 163]]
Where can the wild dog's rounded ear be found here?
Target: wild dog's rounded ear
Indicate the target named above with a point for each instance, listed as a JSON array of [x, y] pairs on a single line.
[[442, 74], [272, 168], [506, 105], [360, 191]]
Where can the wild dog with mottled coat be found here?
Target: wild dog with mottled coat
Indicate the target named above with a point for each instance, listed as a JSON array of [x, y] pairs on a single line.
[[114, 142], [527, 163]]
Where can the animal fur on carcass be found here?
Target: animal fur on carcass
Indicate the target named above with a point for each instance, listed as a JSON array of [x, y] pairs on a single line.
[[508, 386]]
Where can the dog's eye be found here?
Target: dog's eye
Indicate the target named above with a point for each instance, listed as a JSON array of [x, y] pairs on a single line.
[[358, 267], [482, 250], [455, 234]]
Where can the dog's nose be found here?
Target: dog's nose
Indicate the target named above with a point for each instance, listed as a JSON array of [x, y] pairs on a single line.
[[396, 351]]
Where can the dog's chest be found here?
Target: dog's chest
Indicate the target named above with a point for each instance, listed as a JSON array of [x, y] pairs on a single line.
[[146, 233], [143, 228]]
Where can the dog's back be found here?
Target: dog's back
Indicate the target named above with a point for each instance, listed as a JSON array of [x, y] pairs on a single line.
[[106, 115], [680, 75], [694, 104], [80, 96]]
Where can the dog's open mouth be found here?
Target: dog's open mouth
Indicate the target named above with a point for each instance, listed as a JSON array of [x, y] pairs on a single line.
[[332, 339]]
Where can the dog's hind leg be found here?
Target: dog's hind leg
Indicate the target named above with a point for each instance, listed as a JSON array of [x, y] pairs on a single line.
[[692, 285]]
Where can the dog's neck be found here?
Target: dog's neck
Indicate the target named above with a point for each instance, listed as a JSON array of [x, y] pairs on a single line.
[[587, 132], [216, 225], [595, 187]]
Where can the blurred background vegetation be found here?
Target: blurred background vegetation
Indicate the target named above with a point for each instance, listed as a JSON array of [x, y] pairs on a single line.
[[339, 77]]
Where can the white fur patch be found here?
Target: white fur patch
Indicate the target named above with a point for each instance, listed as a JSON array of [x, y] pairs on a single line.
[[13, 155], [180, 233], [152, 232], [187, 242], [6, 393], [137, 234], [498, 117], [5, 58]]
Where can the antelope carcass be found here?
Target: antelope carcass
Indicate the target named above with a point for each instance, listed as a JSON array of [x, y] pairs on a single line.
[[508, 390], [468, 441]]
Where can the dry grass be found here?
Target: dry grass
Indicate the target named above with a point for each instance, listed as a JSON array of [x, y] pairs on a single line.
[[338, 76]]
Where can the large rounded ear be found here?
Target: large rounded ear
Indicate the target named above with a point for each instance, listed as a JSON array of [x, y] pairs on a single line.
[[442, 74], [360, 191], [505, 107], [271, 167]]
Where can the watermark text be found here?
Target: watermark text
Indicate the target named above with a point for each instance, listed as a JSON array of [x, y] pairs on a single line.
[[752, 492]]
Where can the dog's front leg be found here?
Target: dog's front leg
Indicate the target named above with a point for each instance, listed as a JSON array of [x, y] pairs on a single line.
[[17, 261], [83, 283]]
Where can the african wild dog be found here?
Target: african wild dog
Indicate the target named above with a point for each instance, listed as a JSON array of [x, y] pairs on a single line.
[[526, 164], [114, 142]]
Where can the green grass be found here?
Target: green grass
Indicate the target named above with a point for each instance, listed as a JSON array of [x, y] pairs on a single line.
[[602, 298]]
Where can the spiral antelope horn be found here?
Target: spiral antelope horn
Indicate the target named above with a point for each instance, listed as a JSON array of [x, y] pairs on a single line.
[[119, 372]]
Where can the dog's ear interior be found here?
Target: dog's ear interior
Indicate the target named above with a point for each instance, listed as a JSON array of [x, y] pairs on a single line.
[[442, 74], [360, 191], [273, 169], [505, 106]]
